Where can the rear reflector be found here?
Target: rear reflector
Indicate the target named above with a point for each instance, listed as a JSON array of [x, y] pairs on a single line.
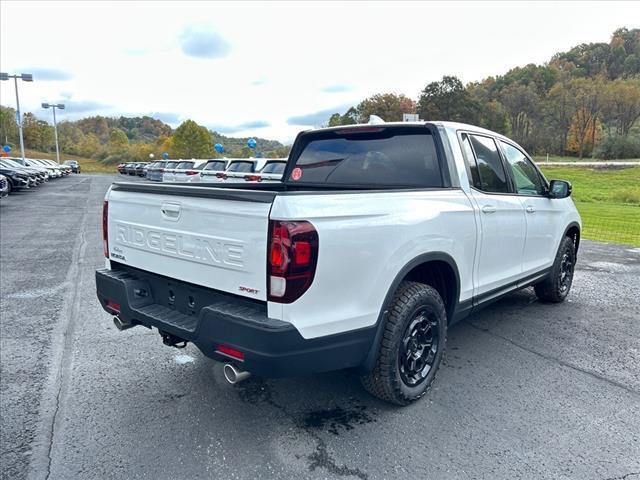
[[232, 352], [253, 178], [191, 172], [221, 175], [113, 306]]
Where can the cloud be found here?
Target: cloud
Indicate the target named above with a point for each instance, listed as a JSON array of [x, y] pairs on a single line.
[[259, 81], [316, 118], [44, 74], [337, 88], [203, 42], [251, 125], [84, 106]]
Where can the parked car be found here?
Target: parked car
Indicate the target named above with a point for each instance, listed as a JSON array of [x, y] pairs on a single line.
[[40, 174], [169, 171], [271, 172], [120, 168], [211, 169], [64, 169], [378, 239], [4, 186], [16, 179], [188, 171], [54, 170], [34, 177], [155, 171], [140, 168], [237, 169], [75, 166]]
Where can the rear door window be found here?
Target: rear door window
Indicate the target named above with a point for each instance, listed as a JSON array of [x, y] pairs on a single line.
[[185, 165], [171, 164], [385, 157], [491, 173]]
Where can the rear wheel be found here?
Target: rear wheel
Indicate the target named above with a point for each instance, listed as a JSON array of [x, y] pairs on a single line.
[[412, 346], [556, 286]]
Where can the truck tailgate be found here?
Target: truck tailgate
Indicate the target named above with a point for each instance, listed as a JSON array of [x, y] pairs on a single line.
[[201, 235]]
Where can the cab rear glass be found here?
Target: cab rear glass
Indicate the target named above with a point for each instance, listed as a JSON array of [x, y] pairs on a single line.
[[372, 156], [215, 166], [245, 167]]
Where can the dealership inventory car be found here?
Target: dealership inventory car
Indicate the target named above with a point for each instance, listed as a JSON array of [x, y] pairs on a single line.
[[4, 186], [17, 179], [40, 174], [271, 172], [155, 171], [140, 168], [188, 171], [211, 170], [75, 166], [169, 171], [379, 237], [33, 177]]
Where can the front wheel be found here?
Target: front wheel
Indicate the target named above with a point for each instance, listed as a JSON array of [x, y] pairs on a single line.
[[412, 346], [556, 286]]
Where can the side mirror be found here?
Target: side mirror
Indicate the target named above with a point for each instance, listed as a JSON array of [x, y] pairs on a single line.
[[559, 189]]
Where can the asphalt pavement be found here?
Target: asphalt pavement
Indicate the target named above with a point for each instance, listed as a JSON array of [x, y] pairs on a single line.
[[528, 390]]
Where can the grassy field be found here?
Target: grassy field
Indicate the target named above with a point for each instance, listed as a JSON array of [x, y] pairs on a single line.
[[557, 158], [608, 200], [88, 165]]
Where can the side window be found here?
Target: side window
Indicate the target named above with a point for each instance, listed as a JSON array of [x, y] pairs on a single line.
[[471, 161], [493, 178], [528, 182]]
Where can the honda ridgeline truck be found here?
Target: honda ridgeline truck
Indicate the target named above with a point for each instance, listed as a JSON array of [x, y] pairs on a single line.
[[378, 238]]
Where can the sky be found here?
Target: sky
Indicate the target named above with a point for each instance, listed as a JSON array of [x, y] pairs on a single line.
[[271, 70]]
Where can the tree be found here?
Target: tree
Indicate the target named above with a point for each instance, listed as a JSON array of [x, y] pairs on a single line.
[[118, 142], [8, 126], [588, 96], [521, 105], [38, 134], [190, 140], [448, 100], [621, 105], [388, 106], [559, 110]]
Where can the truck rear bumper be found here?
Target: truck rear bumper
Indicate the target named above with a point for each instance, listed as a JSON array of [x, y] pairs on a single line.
[[210, 319]]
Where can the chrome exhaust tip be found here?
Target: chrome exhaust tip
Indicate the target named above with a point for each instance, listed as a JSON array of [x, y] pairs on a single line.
[[234, 375], [121, 325]]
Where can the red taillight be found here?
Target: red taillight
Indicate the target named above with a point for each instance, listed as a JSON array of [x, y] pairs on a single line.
[[293, 256], [253, 178], [232, 352], [105, 228], [221, 175], [192, 172], [162, 170]]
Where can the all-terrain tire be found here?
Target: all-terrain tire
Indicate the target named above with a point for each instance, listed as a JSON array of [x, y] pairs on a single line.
[[411, 302], [556, 287]]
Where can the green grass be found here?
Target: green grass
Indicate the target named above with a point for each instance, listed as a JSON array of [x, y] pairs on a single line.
[[608, 200], [87, 165], [541, 159]]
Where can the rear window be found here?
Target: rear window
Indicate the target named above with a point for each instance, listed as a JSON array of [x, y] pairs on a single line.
[[403, 157], [274, 167], [171, 164], [244, 167], [215, 166], [185, 165]]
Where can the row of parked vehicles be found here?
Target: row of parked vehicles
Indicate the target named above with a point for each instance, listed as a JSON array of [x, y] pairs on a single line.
[[209, 170], [17, 173]]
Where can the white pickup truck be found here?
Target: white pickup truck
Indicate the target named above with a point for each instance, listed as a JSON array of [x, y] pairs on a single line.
[[378, 238]]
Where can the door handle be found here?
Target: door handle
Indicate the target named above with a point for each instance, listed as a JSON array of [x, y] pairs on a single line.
[[530, 209], [171, 211], [489, 209]]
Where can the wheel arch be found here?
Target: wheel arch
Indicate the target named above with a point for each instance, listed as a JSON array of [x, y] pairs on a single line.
[[573, 231], [443, 268]]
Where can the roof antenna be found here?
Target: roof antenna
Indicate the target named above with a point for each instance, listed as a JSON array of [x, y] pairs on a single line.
[[375, 120]]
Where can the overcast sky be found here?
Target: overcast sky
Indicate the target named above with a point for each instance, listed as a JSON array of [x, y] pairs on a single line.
[[271, 70]]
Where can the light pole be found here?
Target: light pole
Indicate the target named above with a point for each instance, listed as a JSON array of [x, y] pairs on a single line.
[[53, 106], [25, 77]]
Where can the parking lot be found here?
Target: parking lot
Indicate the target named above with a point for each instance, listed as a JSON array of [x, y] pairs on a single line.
[[528, 390]]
